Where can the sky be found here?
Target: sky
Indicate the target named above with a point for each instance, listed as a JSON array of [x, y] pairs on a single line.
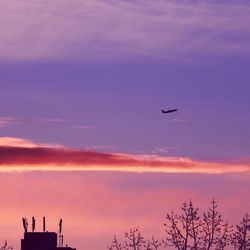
[[82, 136]]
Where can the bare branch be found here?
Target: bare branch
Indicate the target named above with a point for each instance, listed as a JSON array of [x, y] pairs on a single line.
[[6, 246], [241, 238]]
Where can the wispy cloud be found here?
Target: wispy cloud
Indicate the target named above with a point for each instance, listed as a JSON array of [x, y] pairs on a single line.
[[99, 29], [24, 143], [82, 126], [39, 157], [55, 120], [178, 120], [101, 147], [164, 149], [8, 121]]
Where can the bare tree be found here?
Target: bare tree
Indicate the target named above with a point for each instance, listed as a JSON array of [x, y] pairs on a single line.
[[216, 232], [190, 231], [115, 245], [153, 244], [6, 246], [241, 238], [134, 240], [183, 231]]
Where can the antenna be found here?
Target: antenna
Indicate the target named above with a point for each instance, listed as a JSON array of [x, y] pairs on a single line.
[[60, 226], [44, 225], [25, 224], [60, 236], [33, 224]]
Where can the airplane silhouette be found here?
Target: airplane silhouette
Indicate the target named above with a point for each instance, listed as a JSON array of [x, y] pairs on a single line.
[[168, 111]]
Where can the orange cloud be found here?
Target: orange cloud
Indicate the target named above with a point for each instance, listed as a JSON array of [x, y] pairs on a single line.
[[22, 155], [24, 143], [16, 142]]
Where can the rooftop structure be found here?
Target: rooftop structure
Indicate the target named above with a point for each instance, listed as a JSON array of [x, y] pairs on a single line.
[[42, 240]]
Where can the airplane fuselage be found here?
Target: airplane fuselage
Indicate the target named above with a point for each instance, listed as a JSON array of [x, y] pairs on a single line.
[[168, 111]]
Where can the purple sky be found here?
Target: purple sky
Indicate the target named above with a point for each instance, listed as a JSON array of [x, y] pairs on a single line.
[[94, 75], [115, 106]]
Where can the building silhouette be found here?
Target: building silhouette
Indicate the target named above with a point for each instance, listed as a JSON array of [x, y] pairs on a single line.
[[42, 240]]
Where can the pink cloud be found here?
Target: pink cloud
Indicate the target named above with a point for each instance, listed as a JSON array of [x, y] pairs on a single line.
[[26, 156]]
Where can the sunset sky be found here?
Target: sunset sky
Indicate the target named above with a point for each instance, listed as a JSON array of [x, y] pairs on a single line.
[[82, 136]]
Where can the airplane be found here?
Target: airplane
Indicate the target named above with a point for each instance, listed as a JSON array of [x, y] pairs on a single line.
[[168, 111]]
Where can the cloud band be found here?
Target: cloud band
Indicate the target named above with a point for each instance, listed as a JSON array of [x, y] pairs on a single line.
[[16, 158]]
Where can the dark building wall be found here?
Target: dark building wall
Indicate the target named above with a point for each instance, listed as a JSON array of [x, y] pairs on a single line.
[[39, 241], [65, 248]]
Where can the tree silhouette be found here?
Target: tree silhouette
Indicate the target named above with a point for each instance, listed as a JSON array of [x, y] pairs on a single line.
[[6, 246], [241, 238], [153, 244], [115, 245], [183, 231], [216, 232], [134, 240], [191, 231]]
